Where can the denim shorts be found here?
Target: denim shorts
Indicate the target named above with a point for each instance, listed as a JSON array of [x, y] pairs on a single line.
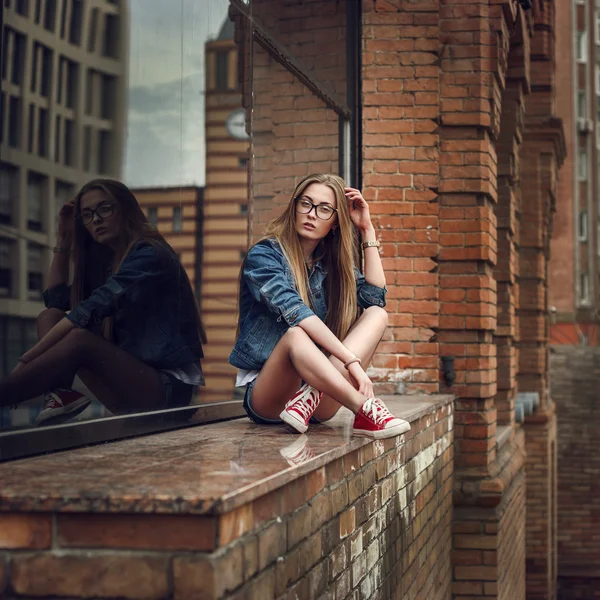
[[253, 416], [177, 393]]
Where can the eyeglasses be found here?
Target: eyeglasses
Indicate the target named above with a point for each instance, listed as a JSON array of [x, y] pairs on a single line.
[[104, 211], [323, 211]]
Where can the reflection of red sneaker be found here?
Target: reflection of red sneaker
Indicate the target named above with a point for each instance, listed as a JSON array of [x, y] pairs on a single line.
[[376, 421], [298, 452], [61, 402], [300, 408]]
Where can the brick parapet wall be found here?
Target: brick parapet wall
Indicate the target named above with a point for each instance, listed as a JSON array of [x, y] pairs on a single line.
[[575, 385], [373, 524]]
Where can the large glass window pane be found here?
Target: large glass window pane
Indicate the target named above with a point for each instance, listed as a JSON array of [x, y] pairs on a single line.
[[145, 92]]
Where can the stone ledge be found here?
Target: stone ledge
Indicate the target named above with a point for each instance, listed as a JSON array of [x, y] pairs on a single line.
[[207, 470], [377, 517]]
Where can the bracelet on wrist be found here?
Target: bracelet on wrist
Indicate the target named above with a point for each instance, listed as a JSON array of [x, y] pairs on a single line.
[[60, 250], [352, 360], [371, 244]]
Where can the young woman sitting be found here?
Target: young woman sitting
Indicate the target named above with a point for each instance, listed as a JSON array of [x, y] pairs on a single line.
[[133, 334], [302, 347]]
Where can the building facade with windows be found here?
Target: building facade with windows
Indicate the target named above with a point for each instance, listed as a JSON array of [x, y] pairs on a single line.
[[63, 123], [574, 271], [177, 213]]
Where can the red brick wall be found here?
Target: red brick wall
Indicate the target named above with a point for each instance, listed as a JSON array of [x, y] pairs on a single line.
[[575, 382], [401, 175], [373, 524]]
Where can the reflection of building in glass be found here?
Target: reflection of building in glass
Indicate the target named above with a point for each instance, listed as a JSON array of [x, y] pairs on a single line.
[[225, 210], [208, 227], [62, 123], [177, 212]]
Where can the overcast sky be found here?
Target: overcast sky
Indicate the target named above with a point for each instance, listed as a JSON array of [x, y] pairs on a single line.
[[165, 123]]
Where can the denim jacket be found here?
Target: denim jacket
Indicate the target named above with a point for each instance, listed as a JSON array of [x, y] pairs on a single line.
[[152, 306], [270, 303]]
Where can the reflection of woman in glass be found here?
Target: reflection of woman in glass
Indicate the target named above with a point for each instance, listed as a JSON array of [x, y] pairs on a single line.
[[133, 334], [299, 297]]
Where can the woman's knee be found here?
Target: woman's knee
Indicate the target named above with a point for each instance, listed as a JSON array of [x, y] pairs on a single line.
[[295, 335], [379, 313], [80, 343], [47, 319], [50, 314]]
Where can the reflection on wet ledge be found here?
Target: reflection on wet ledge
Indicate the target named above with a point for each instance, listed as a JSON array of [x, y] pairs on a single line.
[[194, 470]]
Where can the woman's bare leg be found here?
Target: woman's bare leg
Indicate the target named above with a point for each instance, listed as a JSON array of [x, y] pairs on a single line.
[[46, 320], [362, 340], [296, 358], [127, 383]]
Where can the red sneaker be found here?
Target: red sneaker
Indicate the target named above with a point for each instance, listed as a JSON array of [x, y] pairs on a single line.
[[62, 402], [300, 408], [376, 421]]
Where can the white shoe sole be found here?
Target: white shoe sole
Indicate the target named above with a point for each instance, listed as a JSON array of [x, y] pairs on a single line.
[[77, 406], [294, 423], [403, 427]]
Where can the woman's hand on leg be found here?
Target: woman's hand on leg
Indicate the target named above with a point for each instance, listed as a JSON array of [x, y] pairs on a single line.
[[360, 380]]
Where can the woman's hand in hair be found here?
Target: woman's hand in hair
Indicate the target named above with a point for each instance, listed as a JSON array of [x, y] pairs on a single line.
[[360, 380], [359, 209], [66, 223]]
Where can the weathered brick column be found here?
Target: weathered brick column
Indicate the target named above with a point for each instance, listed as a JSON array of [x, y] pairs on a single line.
[[542, 154], [485, 74], [543, 148], [508, 214]]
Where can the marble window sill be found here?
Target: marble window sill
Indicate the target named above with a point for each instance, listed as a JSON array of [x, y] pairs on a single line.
[[207, 470]]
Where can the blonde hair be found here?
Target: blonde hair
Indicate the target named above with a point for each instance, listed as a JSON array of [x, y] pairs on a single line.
[[93, 262], [337, 251]]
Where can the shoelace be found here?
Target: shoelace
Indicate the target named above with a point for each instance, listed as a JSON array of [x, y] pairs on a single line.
[[377, 411], [307, 403]]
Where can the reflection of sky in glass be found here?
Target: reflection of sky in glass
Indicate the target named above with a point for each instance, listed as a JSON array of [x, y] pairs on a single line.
[[165, 120]]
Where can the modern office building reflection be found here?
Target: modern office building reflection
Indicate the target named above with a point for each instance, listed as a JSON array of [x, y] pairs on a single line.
[[63, 111]]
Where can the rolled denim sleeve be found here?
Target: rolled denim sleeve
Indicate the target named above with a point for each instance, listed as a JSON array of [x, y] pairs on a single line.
[[58, 296], [368, 294], [140, 273], [265, 275]]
